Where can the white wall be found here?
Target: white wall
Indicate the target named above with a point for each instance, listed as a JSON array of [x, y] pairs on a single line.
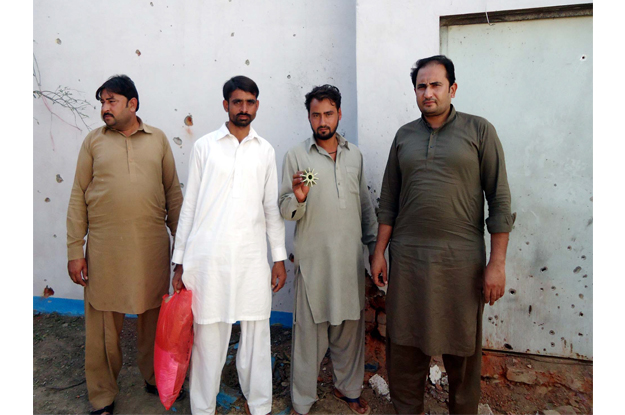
[[188, 50], [391, 36]]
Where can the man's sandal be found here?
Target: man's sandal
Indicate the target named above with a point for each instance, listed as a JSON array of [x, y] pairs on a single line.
[[347, 402], [106, 410]]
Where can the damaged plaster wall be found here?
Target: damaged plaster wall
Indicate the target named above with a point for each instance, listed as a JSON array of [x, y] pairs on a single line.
[[179, 54], [547, 308]]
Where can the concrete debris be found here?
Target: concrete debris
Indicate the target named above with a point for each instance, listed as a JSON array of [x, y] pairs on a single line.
[[521, 376], [435, 374], [379, 386], [484, 409]]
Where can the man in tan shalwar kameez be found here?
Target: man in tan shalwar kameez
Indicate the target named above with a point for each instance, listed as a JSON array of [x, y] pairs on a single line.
[[125, 195]]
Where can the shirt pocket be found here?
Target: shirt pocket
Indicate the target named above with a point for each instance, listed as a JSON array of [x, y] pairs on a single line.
[[353, 179]]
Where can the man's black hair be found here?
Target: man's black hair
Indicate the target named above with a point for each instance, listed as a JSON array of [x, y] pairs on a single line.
[[324, 92], [240, 82], [442, 59], [121, 85]]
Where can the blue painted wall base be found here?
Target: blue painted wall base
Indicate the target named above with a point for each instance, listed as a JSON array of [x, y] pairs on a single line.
[[68, 307]]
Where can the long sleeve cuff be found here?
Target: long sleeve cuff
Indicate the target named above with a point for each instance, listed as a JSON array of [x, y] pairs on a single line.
[[278, 254], [500, 223], [371, 246], [386, 218], [177, 257], [75, 252], [294, 209]]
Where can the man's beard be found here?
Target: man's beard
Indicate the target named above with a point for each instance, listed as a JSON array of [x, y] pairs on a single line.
[[327, 135], [239, 122]]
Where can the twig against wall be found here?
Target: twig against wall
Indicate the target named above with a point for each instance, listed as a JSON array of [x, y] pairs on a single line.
[[62, 96]]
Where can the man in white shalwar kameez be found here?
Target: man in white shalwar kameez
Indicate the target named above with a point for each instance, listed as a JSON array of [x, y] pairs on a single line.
[[229, 211]]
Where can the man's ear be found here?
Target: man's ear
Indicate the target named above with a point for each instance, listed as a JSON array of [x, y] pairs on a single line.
[[453, 89], [132, 104], [225, 105], [340, 114]]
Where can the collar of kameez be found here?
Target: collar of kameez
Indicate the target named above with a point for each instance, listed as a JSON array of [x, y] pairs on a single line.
[[310, 142], [225, 132], [452, 116], [142, 127]]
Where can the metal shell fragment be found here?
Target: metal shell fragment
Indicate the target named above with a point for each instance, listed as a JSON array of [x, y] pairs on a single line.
[[310, 177]]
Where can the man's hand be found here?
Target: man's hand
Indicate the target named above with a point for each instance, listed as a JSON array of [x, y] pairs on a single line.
[[278, 276], [77, 269], [378, 269], [176, 282], [494, 281], [300, 190]]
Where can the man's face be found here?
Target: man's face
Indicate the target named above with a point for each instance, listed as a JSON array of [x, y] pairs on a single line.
[[117, 112], [324, 118], [433, 91], [241, 108]]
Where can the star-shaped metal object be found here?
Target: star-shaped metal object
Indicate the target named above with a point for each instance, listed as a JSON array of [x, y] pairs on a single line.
[[310, 177]]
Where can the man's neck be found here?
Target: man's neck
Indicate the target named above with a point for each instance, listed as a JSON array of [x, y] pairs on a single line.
[[330, 144], [129, 130], [239, 132], [438, 120]]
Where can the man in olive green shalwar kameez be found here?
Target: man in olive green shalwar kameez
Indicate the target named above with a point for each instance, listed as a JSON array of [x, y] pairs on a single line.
[[125, 195], [439, 170]]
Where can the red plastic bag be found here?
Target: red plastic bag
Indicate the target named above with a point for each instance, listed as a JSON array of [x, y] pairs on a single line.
[[172, 347]]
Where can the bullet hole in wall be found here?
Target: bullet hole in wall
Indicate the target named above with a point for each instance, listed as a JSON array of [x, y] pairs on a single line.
[[583, 256], [178, 141], [543, 269], [530, 309], [47, 292], [247, 62], [552, 332], [188, 120], [577, 269], [569, 247], [581, 314], [59, 179], [138, 52], [581, 296], [512, 291], [47, 199], [291, 257], [58, 41], [507, 346]]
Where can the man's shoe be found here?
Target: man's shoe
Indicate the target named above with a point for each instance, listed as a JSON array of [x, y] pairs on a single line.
[[108, 409], [154, 391]]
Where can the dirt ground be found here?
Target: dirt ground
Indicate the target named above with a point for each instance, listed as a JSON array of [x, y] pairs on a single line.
[[510, 384]]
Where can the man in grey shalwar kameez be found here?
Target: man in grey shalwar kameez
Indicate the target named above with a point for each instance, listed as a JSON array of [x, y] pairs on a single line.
[[439, 170], [335, 218]]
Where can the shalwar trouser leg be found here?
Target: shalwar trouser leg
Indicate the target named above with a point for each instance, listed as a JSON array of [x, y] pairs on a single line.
[[408, 368], [310, 342], [253, 361], [103, 354]]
